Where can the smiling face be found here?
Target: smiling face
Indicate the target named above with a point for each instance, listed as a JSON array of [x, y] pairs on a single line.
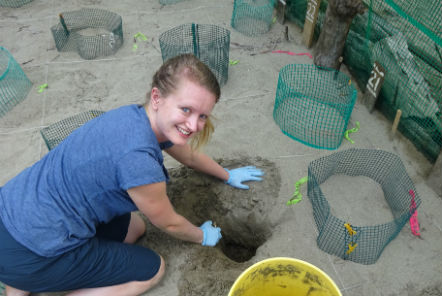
[[182, 113]]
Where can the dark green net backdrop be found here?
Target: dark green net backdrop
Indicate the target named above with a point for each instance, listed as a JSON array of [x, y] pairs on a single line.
[[383, 167]]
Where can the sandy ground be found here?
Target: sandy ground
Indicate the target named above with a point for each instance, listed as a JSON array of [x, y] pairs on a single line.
[[257, 224]]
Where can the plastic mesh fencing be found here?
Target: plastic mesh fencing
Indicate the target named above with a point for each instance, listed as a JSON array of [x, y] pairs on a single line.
[[14, 84], [252, 17], [313, 104], [209, 43], [55, 133], [92, 32], [405, 37], [366, 244], [13, 3]]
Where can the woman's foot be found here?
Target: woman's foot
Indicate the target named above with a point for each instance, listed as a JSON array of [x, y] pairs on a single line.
[[10, 291]]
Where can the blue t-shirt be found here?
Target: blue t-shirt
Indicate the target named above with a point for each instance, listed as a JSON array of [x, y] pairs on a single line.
[[54, 205]]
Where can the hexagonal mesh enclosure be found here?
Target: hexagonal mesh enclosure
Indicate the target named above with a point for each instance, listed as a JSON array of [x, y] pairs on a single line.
[[209, 43], [313, 104], [252, 17], [13, 3], [92, 32], [14, 84], [55, 133], [361, 244]]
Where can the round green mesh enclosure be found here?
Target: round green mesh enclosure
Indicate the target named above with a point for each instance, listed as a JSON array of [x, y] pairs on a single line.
[[252, 17], [336, 235], [209, 43], [313, 104], [14, 84], [92, 32], [55, 133], [13, 3]]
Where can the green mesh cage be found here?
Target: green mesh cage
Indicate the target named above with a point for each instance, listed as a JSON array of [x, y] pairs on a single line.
[[14, 84], [209, 43], [13, 3], [400, 194], [313, 104], [55, 133], [252, 17], [92, 32]]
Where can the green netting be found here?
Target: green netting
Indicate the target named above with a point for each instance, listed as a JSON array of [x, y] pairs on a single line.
[[14, 84], [252, 17], [384, 168], [13, 3], [313, 104], [55, 133], [92, 32], [406, 38], [209, 43]]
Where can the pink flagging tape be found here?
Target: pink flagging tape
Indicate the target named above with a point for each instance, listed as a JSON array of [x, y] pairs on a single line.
[[414, 223], [292, 53]]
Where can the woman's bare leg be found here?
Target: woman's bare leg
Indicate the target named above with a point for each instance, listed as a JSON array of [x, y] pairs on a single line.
[[127, 289], [10, 291], [137, 227]]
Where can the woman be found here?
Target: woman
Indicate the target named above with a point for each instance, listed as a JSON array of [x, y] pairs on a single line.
[[67, 222]]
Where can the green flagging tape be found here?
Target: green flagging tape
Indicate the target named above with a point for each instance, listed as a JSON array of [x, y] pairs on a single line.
[[42, 87], [353, 130], [138, 36], [297, 196], [233, 62], [415, 23], [141, 36], [274, 20]]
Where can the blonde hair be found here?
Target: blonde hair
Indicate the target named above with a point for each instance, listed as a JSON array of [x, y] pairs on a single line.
[[168, 76]]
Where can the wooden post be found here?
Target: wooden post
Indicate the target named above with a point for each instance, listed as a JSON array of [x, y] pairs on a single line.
[[374, 86], [280, 11], [311, 17], [397, 118], [434, 180]]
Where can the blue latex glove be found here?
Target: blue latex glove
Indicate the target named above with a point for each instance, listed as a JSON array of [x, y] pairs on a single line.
[[211, 234], [239, 175]]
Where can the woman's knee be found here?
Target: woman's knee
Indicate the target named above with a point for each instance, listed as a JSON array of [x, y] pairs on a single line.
[[157, 277]]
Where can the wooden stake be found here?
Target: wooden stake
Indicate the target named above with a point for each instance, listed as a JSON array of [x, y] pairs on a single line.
[[396, 122], [311, 17], [280, 11]]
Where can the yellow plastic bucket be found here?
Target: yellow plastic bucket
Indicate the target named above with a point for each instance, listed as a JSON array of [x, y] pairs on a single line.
[[282, 276]]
